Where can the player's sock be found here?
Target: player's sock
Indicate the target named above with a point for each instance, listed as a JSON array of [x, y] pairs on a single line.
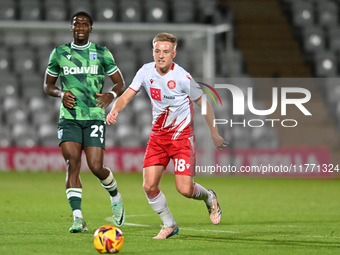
[[200, 193], [74, 197], [160, 206], [111, 186]]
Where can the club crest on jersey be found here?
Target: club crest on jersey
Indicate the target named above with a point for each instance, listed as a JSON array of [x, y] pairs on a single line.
[[93, 55], [171, 84]]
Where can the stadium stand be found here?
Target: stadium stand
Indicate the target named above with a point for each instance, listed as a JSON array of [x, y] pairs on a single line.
[[8, 10], [30, 10], [156, 11], [105, 10], [24, 57], [55, 10]]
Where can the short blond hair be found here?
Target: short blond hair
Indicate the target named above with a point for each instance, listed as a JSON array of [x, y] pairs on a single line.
[[165, 37]]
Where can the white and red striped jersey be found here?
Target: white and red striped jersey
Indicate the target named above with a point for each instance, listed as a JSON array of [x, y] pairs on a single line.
[[171, 96]]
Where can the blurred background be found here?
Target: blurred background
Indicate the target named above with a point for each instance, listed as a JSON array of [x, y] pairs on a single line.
[[232, 39]]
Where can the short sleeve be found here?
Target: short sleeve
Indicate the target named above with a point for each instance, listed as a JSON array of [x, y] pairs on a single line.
[[53, 67], [110, 64], [193, 90], [138, 81]]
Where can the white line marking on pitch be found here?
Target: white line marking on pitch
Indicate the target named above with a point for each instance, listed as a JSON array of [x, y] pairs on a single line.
[[210, 230]]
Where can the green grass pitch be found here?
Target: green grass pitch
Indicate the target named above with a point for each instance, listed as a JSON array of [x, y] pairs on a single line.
[[260, 216]]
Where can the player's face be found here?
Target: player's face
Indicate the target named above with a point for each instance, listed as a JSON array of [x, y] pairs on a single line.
[[81, 28], [163, 53]]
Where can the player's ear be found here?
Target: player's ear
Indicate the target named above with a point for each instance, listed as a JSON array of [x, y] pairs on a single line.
[[174, 54], [90, 29]]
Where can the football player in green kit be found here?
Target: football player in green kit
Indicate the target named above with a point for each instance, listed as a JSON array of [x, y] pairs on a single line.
[[81, 66]]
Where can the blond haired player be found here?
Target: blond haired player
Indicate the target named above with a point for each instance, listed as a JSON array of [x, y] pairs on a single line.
[[171, 90]]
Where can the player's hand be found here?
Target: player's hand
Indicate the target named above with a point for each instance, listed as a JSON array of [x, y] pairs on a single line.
[[104, 99], [219, 142], [68, 99], [111, 118]]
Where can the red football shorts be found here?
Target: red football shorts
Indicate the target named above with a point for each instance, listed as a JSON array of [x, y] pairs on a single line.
[[182, 152]]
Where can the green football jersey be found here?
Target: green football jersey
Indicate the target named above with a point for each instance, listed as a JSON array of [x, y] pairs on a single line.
[[82, 71]]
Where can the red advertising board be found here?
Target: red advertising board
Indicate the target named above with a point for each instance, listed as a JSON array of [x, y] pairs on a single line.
[[283, 162]]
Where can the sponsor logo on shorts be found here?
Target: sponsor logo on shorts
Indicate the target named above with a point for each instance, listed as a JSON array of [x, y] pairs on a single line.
[[60, 133]]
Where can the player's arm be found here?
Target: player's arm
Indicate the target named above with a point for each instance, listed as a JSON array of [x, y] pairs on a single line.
[[119, 105], [209, 118], [104, 99], [67, 98]]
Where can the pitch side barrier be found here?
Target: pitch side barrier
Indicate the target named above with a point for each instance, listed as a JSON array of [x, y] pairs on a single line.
[[284, 162]]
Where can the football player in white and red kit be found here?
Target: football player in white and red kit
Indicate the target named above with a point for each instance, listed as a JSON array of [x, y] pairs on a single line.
[[171, 90]]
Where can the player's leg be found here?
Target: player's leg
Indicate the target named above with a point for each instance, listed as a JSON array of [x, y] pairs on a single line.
[[72, 154], [94, 156], [188, 188], [151, 179], [94, 145], [184, 160]]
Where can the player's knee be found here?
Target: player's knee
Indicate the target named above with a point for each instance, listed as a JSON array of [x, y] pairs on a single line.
[[149, 188], [72, 167], [185, 191], [96, 167]]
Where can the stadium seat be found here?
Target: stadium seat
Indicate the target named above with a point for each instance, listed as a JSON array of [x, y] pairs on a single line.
[[334, 39], [80, 5], [61, 37], [332, 93], [8, 10], [231, 64], [327, 14], [24, 61], [313, 39], [47, 134], [130, 11], [325, 64], [126, 60], [5, 136], [110, 136], [183, 11], [31, 85], [183, 57], [55, 10], [141, 104], [156, 11], [241, 137], [106, 10], [264, 138], [40, 111], [12, 38], [16, 116], [5, 60], [9, 85], [39, 39], [43, 56], [11, 103], [24, 135], [207, 10], [128, 135], [144, 118], [144, 135], [303, 13], [30, 10]]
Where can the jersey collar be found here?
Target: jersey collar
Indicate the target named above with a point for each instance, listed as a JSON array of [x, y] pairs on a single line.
[[82, 47]]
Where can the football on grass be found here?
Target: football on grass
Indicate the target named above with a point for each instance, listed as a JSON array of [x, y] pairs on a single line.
[[108, 239]]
